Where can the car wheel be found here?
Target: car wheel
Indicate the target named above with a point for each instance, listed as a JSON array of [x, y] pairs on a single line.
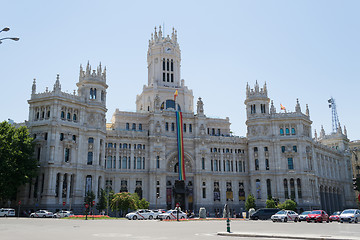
[[182, 217], [150, 217], [44, 216], [5, 215], [285, 219], [308, 221], [299, 220], [168, 217], [274, 220], [296, 219], [134, 217], [256, 218], [32, 216], [341, 221], [355, 220]]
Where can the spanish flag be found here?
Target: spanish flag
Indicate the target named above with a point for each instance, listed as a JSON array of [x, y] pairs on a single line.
[[175, 94], [282, 107]]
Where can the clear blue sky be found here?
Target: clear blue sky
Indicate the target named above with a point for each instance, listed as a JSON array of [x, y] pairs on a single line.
[[302, 49]]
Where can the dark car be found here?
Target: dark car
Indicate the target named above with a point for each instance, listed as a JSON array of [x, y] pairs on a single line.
[[264, 213], [317, 216]]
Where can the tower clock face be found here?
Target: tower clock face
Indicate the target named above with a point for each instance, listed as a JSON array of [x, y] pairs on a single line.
[[168, 50]]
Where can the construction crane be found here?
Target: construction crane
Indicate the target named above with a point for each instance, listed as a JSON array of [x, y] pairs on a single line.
[[335, 118]]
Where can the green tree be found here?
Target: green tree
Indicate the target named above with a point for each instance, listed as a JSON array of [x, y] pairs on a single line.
[[122, 202], [103, 199], [17, 163], [88, 199], [270, 203], [140, 203], [288, 205], [250, 202]]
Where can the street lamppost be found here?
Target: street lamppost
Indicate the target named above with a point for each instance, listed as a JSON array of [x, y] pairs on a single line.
[[5, 29]]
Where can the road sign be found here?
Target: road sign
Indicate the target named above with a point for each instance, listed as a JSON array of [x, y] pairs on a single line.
[[177, 205], [86, 205], [64, 203], [93, 203], [19, 202]]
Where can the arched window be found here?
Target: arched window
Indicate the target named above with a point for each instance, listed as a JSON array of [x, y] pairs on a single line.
[[68, 116], [293, 131], [281, 131], [61, 136], [74, 118], [176, 167], [43, 114], [140, 127], [258, 189], [91, 140], [91, 93], [125, 145], [94, 96], [88, 184], [62, 114], [37, 115], [268, 187], [48, 114], [292, 188], [134, 126], [256, 164], [298, 183], [287, 131], [172, 126], [127, 126], [286, 190]]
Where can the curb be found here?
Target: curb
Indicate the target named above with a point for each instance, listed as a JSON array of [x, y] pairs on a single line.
[[255, 235]]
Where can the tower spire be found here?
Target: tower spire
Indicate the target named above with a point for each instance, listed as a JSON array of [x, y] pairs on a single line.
[[33, 90], [57, 86]]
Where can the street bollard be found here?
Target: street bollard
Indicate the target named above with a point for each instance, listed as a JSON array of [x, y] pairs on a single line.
[[228, 225]]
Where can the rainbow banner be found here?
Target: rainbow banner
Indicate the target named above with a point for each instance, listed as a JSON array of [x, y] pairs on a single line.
[[179, 129]]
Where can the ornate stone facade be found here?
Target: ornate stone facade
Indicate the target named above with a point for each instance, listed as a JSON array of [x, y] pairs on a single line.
[[137, 151]]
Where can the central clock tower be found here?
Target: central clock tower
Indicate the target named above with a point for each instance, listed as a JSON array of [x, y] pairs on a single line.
[[164, 61]]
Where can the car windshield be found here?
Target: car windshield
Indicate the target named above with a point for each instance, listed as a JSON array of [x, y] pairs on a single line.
[[348, 211], [315, 212], [281, 212], [305, 213], [336, 213]]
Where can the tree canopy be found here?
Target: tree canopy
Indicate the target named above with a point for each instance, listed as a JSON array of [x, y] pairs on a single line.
[[250, 202], [288, 205], [17, 163], [125, 200]]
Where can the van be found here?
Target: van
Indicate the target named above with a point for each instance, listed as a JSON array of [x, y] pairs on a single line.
[[264, 213], [7, 212]]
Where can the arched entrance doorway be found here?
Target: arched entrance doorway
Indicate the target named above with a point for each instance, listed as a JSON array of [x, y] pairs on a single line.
[[179, 191]]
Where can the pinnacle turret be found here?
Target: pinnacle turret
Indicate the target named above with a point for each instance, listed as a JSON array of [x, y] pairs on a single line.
[[307, 111], [272, 108], [297, 107], [57, 86], [94, 75], [256, 91], [33, 90]]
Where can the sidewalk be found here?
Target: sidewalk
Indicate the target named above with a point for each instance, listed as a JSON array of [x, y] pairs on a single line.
[[271, 235]]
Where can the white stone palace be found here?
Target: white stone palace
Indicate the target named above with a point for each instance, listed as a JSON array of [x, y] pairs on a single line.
[[137, 151]]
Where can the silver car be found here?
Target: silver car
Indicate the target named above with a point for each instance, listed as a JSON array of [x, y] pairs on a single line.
[[284, 216], [350, 215]]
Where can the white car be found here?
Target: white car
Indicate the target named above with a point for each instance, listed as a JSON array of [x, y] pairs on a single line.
[[350, 215], [284, 216], [140, 214], [172, 214], [42, 214], [7, 212], [157, 212], [63, 213]]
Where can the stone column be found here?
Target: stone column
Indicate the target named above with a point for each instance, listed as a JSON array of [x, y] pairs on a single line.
[[68, 183]]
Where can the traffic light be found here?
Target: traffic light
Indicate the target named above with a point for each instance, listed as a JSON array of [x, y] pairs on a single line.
[[356, 183]]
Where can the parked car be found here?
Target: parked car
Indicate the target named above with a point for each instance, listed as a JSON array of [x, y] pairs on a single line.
[[303, 215], [140, 214], [317, 216], [157, 212], [264, 213], [42, 213], [284, 216], [335, 216], [350, 215], [63, 213], [172, 214], [7, 212]]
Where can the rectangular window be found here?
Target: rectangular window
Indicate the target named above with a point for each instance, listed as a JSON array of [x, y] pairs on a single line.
[[172, 127], [215, 165], [67, 154], [282, 149], [167, 65], [293, 131], [168, 77], [256, 164], [157, 162], [172, 77], [212, 167], [204, 193], [138, 163], [294, 148], [114, 162], [190, 128], [124, 162], [290, 163], [203, 163], [166, 126], [267, 164], [90, 158], [164, 77], [119, 162], [109, 162], [184, 127], [172, 66], [240, 166], [163, 64]]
